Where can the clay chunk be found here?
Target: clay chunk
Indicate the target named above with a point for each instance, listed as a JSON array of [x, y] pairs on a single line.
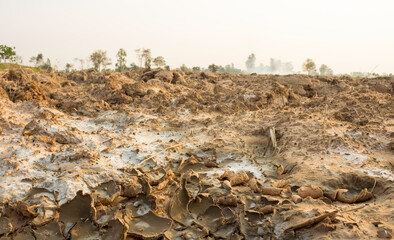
[[310, 191]]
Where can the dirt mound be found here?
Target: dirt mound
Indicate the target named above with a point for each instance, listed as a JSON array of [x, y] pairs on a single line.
[[20, 86]]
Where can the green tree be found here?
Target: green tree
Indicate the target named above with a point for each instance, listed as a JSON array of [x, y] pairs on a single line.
[[68, 67], [121, 63], [325, 70], [100, 60], [159, 61], [213, 68], [309, 66], [250, 63], [146, 54], [7, 53]]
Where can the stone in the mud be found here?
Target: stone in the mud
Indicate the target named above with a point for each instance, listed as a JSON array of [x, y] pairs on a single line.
[[85, 230], [149, 226], [5, 225], [51, 231], [310, 191]]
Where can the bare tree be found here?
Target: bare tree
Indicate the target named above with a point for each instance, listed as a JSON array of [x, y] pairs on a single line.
[[138, 52], [18, 59], [38, 61], [81, 62]]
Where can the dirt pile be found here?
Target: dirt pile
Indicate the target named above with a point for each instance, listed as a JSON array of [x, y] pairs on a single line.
[[173, 155]]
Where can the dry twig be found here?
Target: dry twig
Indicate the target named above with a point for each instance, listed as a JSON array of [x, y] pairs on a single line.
[[154, 155], [319, 218]]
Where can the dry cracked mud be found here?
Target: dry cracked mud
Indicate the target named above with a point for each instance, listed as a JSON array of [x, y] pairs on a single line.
[[173, 155]]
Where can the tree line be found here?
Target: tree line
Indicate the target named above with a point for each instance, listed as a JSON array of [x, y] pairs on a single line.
[[100, 61]]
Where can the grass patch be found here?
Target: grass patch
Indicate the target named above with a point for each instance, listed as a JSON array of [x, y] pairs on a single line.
[[4, 66]]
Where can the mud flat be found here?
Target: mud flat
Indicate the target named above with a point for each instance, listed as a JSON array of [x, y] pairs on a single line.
[[174, 155]]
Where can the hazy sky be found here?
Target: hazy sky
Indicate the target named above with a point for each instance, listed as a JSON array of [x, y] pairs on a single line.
[[347, 35]]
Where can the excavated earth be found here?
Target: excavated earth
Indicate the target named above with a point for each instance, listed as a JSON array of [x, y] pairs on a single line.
[[173, 155]]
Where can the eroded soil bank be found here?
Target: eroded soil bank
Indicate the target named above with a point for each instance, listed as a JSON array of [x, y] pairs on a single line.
[[173, 155]]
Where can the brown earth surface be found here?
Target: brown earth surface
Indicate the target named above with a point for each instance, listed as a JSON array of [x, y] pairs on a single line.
[[167, 154]]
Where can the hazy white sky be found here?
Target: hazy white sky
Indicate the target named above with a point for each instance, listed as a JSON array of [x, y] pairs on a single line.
[[347, 35]]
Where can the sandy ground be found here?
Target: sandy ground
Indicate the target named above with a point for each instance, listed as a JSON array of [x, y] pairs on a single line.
[[176, 155]]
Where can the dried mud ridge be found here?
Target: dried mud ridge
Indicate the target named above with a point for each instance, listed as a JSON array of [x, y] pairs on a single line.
[[173, 155]]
